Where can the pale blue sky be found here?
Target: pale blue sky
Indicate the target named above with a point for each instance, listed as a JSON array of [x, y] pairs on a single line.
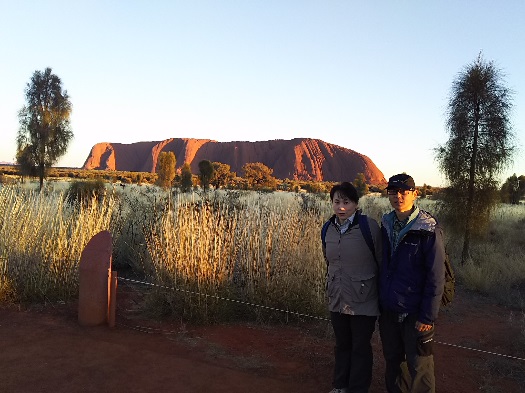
[[372, 76]]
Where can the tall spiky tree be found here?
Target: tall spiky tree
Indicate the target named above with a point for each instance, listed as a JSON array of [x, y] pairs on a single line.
[[480, 146], [45, 130]]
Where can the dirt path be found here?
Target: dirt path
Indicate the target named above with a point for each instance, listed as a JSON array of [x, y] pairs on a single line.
[[43, 349]]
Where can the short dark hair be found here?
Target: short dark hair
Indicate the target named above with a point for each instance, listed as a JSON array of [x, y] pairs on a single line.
[[346, 189]]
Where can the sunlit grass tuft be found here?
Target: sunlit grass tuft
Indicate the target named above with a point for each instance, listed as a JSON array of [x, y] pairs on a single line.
[[41, 239]]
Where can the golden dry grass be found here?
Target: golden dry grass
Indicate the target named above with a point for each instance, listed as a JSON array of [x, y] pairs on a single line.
[[249, 247], [41, 239]]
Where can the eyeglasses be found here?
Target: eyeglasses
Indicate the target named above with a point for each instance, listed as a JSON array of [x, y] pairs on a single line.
[[395, 191]]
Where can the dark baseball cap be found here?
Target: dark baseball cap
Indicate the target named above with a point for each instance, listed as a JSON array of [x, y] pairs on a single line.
[[401, 181]]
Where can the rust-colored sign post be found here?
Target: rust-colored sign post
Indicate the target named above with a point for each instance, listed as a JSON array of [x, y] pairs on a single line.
[[95, 274]]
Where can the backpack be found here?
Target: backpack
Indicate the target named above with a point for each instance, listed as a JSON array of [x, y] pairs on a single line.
[[449, 288], [450, 283], [365, 230]]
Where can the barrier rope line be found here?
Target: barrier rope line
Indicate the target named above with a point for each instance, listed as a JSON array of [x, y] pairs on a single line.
[[481, 350], [293, 313], [226, 299], [142, 329]]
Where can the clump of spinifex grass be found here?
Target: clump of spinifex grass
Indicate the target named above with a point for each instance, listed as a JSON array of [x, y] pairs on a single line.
[[191, 251], [41, 240], [280, 259], [497, 267], [252, 248]]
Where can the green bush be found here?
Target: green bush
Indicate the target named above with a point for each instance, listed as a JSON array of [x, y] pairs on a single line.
[[83, 192]]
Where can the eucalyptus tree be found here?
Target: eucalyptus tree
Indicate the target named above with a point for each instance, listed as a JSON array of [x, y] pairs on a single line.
[[166, 169], [206, 172], [479, 148], [45, 129], [360, 184], [513, 190], [259, 176], [186, 178], [222, 175]]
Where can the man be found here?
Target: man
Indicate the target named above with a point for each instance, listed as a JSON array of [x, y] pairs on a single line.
[[411, 285]]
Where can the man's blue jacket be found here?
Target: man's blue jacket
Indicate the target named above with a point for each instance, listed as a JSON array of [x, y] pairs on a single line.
[[412, 277]]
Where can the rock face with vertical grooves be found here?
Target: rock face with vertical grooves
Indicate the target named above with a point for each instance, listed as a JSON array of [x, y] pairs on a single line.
[[299, 158]]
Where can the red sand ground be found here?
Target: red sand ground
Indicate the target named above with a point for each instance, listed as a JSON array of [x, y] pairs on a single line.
[[43, 349]]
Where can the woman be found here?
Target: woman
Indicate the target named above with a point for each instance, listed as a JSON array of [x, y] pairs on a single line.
[[351, 286]]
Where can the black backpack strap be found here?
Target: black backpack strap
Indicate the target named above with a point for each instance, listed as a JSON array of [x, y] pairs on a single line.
[[367, 234], [324, 229], [365, 230]]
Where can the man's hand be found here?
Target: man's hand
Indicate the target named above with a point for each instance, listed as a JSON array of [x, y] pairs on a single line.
[[422, 327]]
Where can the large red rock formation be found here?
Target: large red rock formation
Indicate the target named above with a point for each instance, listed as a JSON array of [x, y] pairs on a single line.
[[300, 158]]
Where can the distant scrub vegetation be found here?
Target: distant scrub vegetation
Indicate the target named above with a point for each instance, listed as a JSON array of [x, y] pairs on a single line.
[[11, 174], [223, 178], [77, 173]]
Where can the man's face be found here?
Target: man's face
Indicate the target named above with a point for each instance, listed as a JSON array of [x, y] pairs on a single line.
[[402, 200], [343, 207]]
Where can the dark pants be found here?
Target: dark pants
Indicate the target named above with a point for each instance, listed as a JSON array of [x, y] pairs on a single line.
[[353, 351], [408, 355]]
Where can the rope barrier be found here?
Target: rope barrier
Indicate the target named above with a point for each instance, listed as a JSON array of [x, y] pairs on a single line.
[[480, 350], [293, 313], [226, 299]]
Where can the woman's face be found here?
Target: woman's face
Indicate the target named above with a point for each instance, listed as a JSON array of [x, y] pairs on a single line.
[[343, 207]]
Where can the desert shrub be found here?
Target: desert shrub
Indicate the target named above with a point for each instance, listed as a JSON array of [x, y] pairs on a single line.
[[374, 206], [7, 292], [6, 179], [247, 246], [41, 240], [314, 202], [135, 211], [497, 267], [84, 192], [9, 170]]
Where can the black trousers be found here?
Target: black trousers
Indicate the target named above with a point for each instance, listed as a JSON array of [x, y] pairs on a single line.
[[408, 355], [353, 351]]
